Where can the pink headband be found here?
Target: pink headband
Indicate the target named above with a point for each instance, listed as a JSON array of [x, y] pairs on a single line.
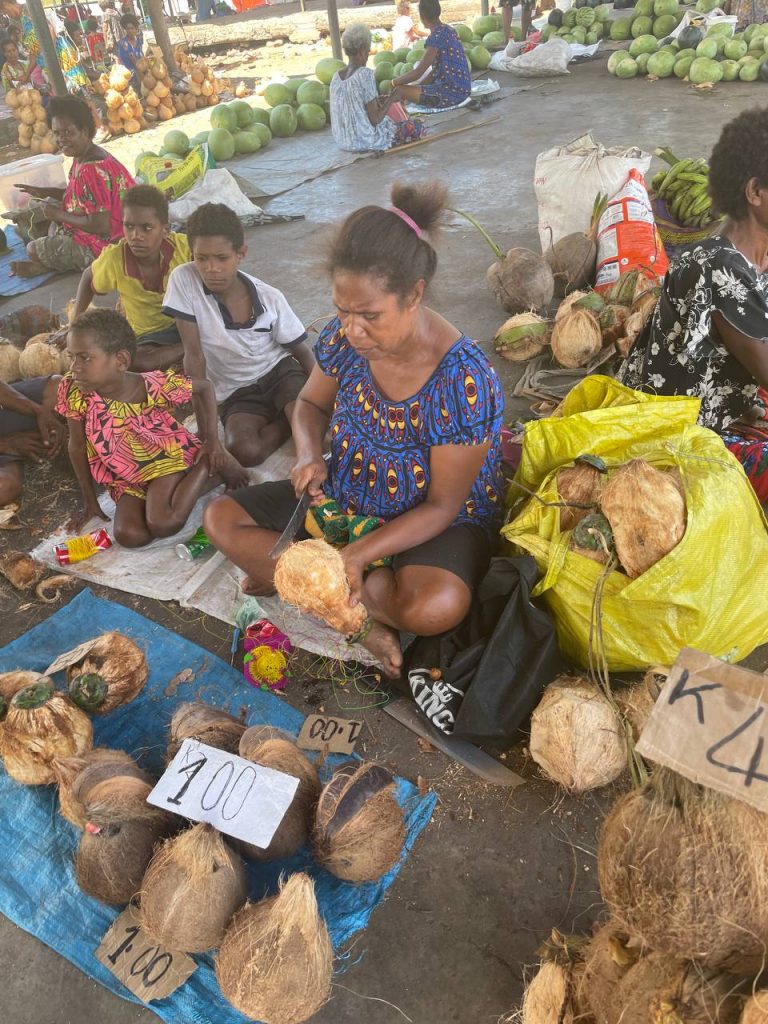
[[406, 219]]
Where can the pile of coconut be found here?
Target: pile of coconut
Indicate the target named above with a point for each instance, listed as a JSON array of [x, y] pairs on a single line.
[[587, 325], [124, 110], [205, 88], [682, 869], [34, 133]]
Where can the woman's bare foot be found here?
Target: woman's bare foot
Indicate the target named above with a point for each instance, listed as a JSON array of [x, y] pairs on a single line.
[[255, 588], [384, 643], [27, 268]]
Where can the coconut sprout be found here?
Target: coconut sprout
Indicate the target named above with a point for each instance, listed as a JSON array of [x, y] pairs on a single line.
[[191, 889], [311, 576], [121, 832], [683, 868], [592, 538], [77, 775], [41, 725], [209, 725], [359, 830], [276, 959], [647, 513], [576, 736], [121, 669], [283, 756]]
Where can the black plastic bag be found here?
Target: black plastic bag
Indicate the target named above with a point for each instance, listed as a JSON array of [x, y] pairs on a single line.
[[481, 680]]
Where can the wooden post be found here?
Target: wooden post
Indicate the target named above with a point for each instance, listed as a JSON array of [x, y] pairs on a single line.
[[158, 19], [484, 10], [333, 28], [48, 47]]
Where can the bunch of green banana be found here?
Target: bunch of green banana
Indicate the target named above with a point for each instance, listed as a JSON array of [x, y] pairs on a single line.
[[685, 189]]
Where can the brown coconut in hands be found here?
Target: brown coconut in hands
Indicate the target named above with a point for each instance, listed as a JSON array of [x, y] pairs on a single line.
[[121, 833], [191, 889], [310, 575], [40, 726], [76, 776], [359, 829], [282, 754], [581, 484], [684, 869], [647, 513], [276, 960], [212, 726], [112, 673]]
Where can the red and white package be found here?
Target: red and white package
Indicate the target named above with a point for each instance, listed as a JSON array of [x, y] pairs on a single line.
[[627, 237]]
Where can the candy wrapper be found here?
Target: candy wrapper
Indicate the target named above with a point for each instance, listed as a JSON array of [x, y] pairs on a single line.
[[77, 549], [266, 656]]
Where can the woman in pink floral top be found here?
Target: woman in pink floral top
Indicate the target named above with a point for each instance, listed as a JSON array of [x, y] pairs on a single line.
[[88, 214]]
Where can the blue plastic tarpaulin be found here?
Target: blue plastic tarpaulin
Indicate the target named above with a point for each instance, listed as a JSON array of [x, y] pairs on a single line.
[[38, 890]]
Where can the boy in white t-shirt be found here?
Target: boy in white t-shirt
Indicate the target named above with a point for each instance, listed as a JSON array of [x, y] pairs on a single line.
[[240, 334], [404, 32]]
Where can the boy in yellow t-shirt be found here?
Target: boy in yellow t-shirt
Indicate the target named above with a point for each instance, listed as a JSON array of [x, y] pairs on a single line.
[[137, 268]]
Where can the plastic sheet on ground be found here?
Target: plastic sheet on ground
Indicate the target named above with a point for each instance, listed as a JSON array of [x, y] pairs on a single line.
[[38, 891]]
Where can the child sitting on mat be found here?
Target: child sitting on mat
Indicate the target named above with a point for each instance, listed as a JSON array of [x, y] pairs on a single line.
[[124, 436]]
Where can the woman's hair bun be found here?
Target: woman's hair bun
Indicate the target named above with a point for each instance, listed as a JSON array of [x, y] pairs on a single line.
[[424, 203]]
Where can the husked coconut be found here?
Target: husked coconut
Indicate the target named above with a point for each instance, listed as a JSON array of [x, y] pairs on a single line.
[[311, 576], [522, 337], [120, 670], [756, 1009], [547, 996], [38, 359], [580, 484], [209, 725], [576, 338], [576, 736], [21, 570], [647, 514], [79, 774], [9, 362]]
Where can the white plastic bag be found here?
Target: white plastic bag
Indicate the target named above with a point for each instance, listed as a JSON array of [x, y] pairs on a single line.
[[704, 21], [218, 186], [546, 59], [567, 179]]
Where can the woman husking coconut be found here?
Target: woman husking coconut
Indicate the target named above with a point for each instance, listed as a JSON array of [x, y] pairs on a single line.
[[708, 335], [415, 413]]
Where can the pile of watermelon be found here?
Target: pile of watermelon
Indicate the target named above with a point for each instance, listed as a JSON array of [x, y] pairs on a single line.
[[694, 55]]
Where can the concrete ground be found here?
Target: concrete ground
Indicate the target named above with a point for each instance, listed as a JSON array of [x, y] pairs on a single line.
[[495, 870]]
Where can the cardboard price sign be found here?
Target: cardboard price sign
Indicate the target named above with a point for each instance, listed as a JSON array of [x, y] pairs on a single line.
[[710, 724], [327, 732], [71, 657], [238, 797], [148, 970]]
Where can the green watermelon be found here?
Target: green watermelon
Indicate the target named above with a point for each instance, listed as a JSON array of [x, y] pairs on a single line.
[[644, 9], [707, 6], [661, 65], [480, 58], [311, 117], [313, 92], [585, 17], [627, 69], [221, 144], [620, 29], [686, 53], [293, 85], [663, 26], [177, 142], [282, 121], [464, 32], [662, 7], [730, 69], [483, 25], [326, 68], [749, 71], [579, 33], [247, 142], [262, 133], [275, 95], [199, 139], [683, 66], [616, 58], [494, 41], [223, 117], [643, 44], [722, 28], [146, 155], [569, 18], [260, 116], [707, 48], [384, 87], [594, 35], [415, 55], [242, 111], [642, 63], [401, 55], [383, 72], [734, 48], [603, 13], [703, 70], [641, 27], [690, 37], [383, 57]]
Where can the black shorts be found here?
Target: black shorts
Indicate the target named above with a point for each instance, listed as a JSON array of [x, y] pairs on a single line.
[[12, 422], [269, 395], [168, 336], [463, 549]]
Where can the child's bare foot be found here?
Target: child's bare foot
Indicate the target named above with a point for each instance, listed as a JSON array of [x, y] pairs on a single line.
[[27, 268], [234, 475], [256, 588], [384, 643]]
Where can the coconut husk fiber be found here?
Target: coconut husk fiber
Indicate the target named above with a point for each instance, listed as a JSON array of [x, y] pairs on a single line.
[[120, 663], [576, 736], [755, 1009], [199, 721], [522, 281], [310, 575], [12, 682], [581, 484], [547, 998], [647, 514], [576, 338], [685, 870], [276, 960], [77, 775], [191, 889], [283, 756], [607, 959], [20, 570], [32, 738], [636, 701], [359, 830], [121, 833]]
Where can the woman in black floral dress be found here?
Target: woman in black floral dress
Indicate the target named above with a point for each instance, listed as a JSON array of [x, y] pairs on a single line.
[[709, 334]]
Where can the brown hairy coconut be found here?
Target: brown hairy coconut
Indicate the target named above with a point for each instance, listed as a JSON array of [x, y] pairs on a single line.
[[359, 829], [121, 665], [576, 338], [580, 483], [521, 280], [78, 774], [755, 1009], [191, 889], [685, 869], [120, 835], [547, 998], [607, 959], [12, 682], [521, 337], [636, 701], [572, 260], [576, 736], [311, 576], [21, 570], [612, 320], [209, 725], [566, 306], [647, 514], [276, 960], [40, 726], [284, 756]]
